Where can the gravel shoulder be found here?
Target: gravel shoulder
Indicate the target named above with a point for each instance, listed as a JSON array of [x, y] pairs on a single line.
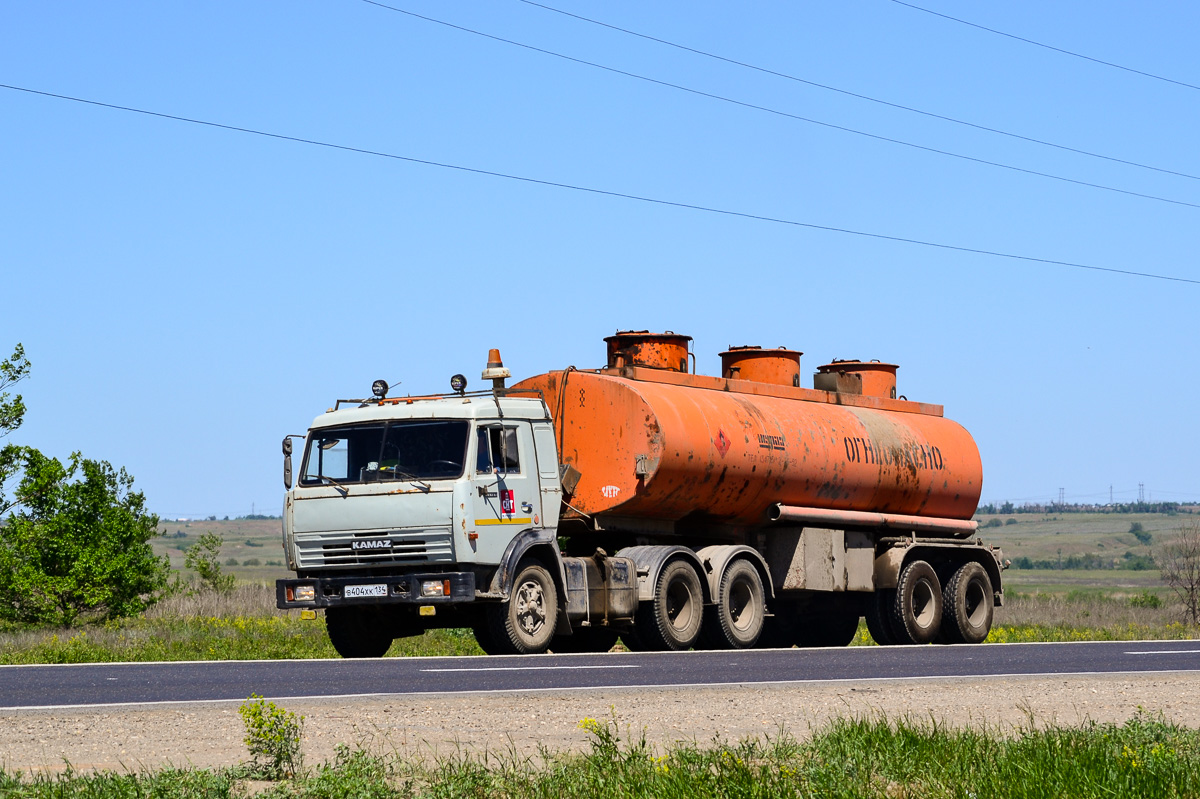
[[427, 727]]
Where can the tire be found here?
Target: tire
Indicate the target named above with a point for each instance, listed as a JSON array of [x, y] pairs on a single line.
[[358, 632], [483, 637], [781, 630], [671, 621], [879, 616], [523, 625], [967, 605], [827, 626], [585, 639], [917, 608], [737, 619]]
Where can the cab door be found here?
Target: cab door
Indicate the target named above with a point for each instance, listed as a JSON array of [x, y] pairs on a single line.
[[505, 494]]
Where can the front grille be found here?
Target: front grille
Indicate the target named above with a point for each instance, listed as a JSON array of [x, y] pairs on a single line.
[[322, 550]]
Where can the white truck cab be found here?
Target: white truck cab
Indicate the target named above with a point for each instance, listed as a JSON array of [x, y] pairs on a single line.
[[438, 511]]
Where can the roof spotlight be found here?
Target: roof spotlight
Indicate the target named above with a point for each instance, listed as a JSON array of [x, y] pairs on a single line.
[[458, 383], [379, 388]]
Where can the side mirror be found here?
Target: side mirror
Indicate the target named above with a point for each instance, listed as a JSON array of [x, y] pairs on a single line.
[[287, 462]]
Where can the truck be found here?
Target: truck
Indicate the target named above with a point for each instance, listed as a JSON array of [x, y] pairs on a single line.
[[644, 502]]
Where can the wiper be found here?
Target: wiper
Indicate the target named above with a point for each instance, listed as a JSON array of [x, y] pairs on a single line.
[[399, 474], [344, 491]]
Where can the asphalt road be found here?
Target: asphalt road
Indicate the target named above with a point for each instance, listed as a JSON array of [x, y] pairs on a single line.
[[147, 683]]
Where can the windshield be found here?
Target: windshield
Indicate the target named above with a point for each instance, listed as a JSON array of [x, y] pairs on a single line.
[[407, 450]]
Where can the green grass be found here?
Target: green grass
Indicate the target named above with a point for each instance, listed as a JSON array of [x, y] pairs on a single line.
[[245, 625], [866, 757], [211, 638], [241, 625]]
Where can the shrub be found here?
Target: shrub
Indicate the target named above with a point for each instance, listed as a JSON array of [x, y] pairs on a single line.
[[1010, 521], [231, 561], [273, 737], [252, 562], [1139, 532], [204, 558], [994, 523], [1145, 600]]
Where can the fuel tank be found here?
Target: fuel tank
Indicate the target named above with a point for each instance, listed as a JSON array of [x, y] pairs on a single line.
[[654, 443]]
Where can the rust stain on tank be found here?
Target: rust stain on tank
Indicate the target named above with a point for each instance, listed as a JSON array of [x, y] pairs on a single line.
[[797, 446]]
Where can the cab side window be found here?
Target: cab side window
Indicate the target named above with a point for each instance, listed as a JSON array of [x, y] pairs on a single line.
[[498, 451]]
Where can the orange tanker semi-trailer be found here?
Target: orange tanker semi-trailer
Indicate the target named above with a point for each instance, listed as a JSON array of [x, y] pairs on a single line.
[[842, 500]]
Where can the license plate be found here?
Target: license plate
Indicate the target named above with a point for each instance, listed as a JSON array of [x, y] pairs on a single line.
[[365, 590]]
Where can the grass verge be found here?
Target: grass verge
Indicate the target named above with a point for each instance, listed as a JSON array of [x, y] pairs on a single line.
[[1144, 757], [245, 625]]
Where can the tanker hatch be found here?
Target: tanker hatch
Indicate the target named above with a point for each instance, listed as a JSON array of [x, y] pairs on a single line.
[[779, 367], [667, 350], [868, 378]]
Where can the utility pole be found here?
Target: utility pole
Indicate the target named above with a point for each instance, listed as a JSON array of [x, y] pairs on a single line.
[[1110, 493], [1141, 493], [1060, 496]]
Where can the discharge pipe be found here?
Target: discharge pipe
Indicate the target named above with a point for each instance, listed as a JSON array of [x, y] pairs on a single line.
[[956, 528]]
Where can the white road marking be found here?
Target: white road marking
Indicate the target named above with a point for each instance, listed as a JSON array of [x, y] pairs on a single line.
[[538, 668], [1167, 652]]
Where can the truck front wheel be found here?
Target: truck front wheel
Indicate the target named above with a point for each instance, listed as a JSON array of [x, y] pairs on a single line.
[[358, 632], [524, 625]]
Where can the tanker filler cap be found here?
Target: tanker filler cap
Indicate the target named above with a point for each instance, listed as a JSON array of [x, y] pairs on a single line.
[[495, 370]]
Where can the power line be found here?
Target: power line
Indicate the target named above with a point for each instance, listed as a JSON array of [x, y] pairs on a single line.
[[604, 192], [1048, 46], [777, 112], [868, 98]]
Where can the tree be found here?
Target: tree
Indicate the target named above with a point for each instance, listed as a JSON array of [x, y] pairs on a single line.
[[12, 412], [204, 557], [77, 548], [1179, 564]]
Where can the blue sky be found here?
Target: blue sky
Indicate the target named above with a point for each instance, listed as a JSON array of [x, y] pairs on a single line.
[[188, 295]]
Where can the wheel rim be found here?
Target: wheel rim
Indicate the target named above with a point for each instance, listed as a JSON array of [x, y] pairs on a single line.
[[530, 607], [743, 610], [924, 606], [975, 603], [681, 605]]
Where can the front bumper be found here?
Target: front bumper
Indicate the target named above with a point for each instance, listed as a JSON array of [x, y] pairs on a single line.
[[325, 592]]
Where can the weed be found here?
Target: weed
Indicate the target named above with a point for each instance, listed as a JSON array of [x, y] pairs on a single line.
[[273, 737], [1145, 600]]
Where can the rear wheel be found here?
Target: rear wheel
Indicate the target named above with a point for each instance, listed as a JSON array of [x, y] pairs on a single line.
[[358, 632], [671, 620], [780, 630], [585, 639], [828, 621], [524, 625], [879, 616], [967, 605], [917, 608], [737, 619]]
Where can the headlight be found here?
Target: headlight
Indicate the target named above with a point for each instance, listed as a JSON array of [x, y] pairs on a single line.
[[435, 588], [301, 593]]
